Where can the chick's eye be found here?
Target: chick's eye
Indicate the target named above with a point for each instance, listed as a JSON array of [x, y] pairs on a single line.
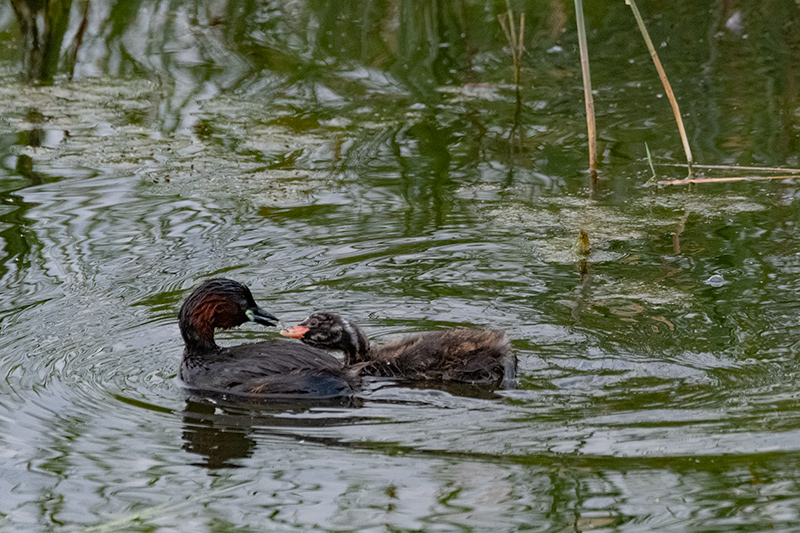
[[313, 322]]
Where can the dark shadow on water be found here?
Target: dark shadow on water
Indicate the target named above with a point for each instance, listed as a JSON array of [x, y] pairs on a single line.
[[221, 430], [224, 429], [477, 391]]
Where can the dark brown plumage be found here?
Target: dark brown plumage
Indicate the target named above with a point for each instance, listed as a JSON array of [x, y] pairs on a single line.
[[274, 368], [467, 355]]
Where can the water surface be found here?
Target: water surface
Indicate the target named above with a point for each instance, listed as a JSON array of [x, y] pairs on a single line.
[[371, 159]]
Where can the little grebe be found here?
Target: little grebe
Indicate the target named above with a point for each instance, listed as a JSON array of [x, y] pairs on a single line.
[[274, 367], [466, 355]]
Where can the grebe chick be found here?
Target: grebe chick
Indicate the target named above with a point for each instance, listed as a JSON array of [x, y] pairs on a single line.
[[273, 367], [465, 355]]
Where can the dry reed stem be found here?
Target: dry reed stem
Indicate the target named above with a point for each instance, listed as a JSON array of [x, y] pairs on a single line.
[[591, 125], [667, 87], [736, 167], [689, 181], [514, 41]]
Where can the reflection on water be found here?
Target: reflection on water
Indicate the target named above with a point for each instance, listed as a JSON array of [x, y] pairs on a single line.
[[42, 25], [222, 430], [370, 158]]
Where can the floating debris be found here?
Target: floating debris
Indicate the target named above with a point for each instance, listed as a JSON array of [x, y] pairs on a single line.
[[582, 245]]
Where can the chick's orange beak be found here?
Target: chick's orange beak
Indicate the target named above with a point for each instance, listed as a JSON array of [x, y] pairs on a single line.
[[296, 332]]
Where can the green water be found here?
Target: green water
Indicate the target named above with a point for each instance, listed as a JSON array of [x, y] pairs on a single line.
[[370, 158]]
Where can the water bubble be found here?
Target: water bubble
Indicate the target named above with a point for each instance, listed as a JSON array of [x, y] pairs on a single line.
[[716, 281]]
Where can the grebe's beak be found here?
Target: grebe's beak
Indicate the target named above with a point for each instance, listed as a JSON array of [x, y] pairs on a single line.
[[296, 332], [259, 316]]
